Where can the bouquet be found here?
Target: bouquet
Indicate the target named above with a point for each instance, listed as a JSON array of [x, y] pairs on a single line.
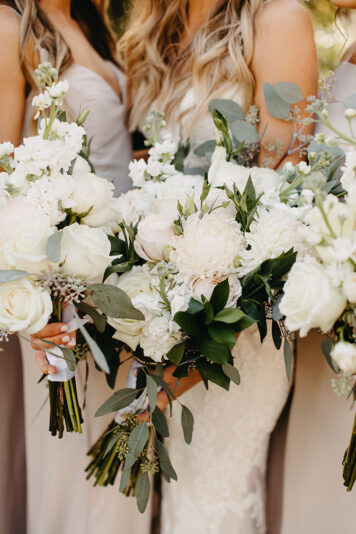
[[53, 209], [200, 260]]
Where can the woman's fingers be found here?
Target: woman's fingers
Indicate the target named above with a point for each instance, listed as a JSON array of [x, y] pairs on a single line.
[[143, 417], [68, 340], [43, 364], [52, 329]]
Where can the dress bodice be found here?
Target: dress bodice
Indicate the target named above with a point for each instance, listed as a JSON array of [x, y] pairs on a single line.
[[110, 151]]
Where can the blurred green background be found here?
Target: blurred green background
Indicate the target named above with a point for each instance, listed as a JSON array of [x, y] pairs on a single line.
[[332, 38]]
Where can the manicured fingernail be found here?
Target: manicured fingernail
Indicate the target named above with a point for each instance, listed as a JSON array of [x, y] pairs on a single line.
[[72, 342], [64, 328], [65, 339]]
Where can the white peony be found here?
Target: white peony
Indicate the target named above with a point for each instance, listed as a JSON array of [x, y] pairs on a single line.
[[209, 247], [205, 287], [135, 283], [310, 300], [159, 336], [24, 306], [85, 251], [154, 233], [350, 288], [344, 355], [273, 233], [24, 232]]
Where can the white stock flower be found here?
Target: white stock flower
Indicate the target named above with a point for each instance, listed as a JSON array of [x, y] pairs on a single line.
[[348, 179], [58, 90], [24, 306], [273, 233], [344, 355], [159, 336], [137, 170], [24, 232], [349, 288], [154, 233], [179, 297], [164, 151], [209, 247], [85, 251], [6, 149], [41, 102], [310, 300]]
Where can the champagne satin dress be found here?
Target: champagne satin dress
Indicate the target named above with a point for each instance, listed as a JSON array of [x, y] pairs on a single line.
[[60, 499], [314, 498]]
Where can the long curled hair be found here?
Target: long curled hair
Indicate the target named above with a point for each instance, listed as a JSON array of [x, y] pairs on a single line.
[[160, 69], [91, 17]]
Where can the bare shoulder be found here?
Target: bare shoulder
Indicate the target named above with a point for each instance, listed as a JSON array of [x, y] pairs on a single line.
[[9, 25], [284, 16]]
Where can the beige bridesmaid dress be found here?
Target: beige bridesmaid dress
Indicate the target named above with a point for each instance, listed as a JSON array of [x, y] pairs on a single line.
[[314, 498], [60, 499]]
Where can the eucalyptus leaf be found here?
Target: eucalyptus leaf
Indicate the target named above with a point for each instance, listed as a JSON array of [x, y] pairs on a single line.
[[159, 421], [350, 101], [176, 353], [244, 132], [164, 461], [276, 106], [287, 357], [152, 391], [11, 275], [96, 351], [229, 108], [53, 247], [120, 399], [143, 488], [114, 302], [137, 441], [326, 346], [118, 268], [289, 92], [205, 148], [99, 320], [276, 314], [125, 478], [232, 373], [187, 421]]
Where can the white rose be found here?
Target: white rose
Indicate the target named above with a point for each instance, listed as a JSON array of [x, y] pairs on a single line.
[[153, 234], [24, 232], [205, 287], [344, 355], [134, 283], [350, 288], [310, 300], [85, 251], [24, 306], [224, 172]]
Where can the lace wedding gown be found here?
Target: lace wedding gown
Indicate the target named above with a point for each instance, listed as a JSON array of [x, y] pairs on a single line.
[[221, 475]]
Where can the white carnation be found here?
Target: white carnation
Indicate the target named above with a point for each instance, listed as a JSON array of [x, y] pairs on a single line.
[[159, 336], [6, 149], [133, 205]]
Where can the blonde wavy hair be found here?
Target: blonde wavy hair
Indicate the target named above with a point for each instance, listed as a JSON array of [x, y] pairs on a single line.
[[160, 70], [90, 15]]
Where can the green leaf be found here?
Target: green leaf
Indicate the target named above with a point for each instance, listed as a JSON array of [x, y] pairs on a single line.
[[229, 108], [137, 441], [220, 296], [205, 148], [276, 106], [187, 323], [143, 488], [223, 333], [287, 358], [350, 101], [214, 373], [213, 351], [120, 399], [53, 247], [159, 421], [96, 351], [118, 268], [244, 132], [276, 334], [176, 353], [209, 312], [244, 323], [289, 92], [164, 461], [195, 307], [276, 314], [99, 320], [232, 373], [11, 275], [125, 478], [152, 391], [68, 354], [326, 346], [187, 421], [114, 302], [229, 316]]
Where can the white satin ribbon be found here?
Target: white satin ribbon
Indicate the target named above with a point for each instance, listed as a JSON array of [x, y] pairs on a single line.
[[137, 405]]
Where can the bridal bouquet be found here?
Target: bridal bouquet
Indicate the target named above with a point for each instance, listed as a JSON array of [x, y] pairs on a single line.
[[52, 240], [200, 259]]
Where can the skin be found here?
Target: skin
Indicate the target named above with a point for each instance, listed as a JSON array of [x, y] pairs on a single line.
[[350, 54], [276, 58], [12, 108]]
